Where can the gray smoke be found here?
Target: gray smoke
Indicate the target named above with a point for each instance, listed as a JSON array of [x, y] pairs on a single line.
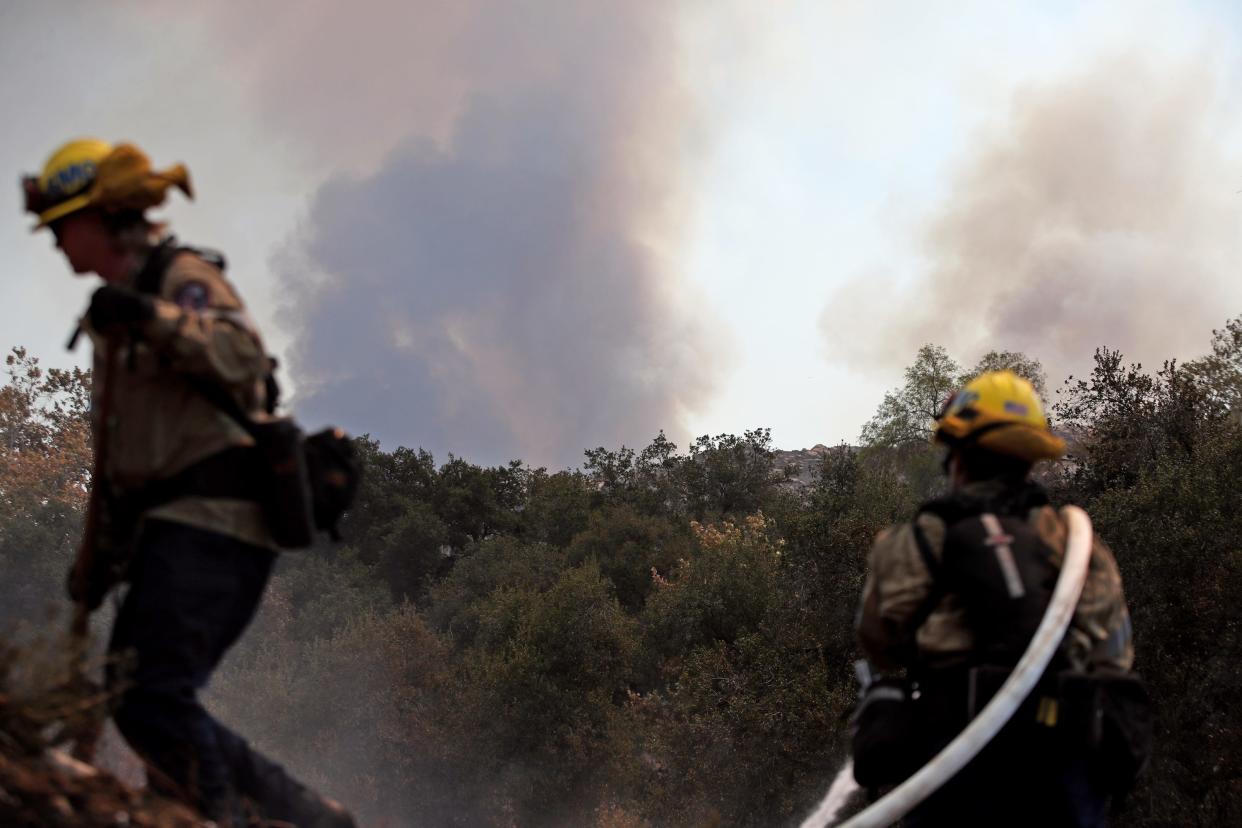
[[1102, 210], [502, 291]]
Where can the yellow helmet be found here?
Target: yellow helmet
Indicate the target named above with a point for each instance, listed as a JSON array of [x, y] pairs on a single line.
[[64, 185], [88, 172], [999, 411]]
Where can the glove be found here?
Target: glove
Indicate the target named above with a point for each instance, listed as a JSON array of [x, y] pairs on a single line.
[[85, 587], [113, 307]]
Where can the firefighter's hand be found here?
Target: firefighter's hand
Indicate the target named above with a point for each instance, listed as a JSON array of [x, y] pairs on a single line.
[[83, 586], [75, 584], [114, 307]]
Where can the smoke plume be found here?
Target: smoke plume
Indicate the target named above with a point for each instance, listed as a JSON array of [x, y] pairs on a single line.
[[1102, 211], [499, 284]]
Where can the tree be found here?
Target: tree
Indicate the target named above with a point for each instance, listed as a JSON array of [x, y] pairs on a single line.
[[412, 550], [538, 698], [558, 506], [391, 483], [486, 567], [45, 467], [1026, 367], [1220, 372], [643, 479], [728, 475], [476, 503], [1123, 420], [630, 548], [907, 414], [724, 591]]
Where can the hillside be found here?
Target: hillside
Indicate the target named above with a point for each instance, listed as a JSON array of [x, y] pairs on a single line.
[[663, 636]]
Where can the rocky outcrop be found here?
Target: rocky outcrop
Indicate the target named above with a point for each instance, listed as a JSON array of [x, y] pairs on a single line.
[[47, 700], [53, 789], [801, 465]]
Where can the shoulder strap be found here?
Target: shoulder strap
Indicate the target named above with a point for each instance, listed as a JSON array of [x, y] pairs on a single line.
[[925, 550], [934, 568], [150, 279]]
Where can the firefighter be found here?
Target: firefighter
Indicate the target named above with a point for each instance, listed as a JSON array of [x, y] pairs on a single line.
[[174, 508], [951, 601]]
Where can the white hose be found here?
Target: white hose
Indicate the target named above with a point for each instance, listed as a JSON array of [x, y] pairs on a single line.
[[902, 799], [839, 793]]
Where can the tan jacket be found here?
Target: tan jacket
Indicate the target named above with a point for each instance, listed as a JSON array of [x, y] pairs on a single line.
[[898, 584], [161, 425]]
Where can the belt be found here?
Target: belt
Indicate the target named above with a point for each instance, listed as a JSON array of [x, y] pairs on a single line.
[[233, 474]]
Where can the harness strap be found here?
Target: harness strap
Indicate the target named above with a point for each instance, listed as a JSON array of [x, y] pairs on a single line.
[[925, 550], [934, 568], [150, 279], [233, 474]]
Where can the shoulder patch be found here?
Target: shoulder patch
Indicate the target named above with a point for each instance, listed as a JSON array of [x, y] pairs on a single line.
[[192, 295]]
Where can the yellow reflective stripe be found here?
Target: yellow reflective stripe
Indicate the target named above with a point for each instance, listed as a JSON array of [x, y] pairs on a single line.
[[1047, 713]]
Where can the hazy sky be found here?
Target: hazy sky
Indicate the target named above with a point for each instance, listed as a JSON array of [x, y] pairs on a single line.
[[509, 229]]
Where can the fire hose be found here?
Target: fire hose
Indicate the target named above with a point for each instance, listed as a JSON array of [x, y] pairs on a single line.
[[906, 796]]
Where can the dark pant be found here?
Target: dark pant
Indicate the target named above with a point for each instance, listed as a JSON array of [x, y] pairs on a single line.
[[1023, 778], [192, 594], [1028, 775]]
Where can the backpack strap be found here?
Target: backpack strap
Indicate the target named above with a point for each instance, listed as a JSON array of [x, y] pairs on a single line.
[[150, 279], [925, 550], [934, 568]]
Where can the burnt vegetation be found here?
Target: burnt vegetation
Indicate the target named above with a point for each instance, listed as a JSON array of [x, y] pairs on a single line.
[[664, 637]]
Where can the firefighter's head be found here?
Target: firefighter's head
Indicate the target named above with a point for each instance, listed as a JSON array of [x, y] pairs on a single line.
[[93, 196], [995, 427]]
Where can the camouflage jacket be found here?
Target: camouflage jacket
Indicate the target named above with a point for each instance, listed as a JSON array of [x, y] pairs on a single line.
[[899, 584], [160, 424]]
